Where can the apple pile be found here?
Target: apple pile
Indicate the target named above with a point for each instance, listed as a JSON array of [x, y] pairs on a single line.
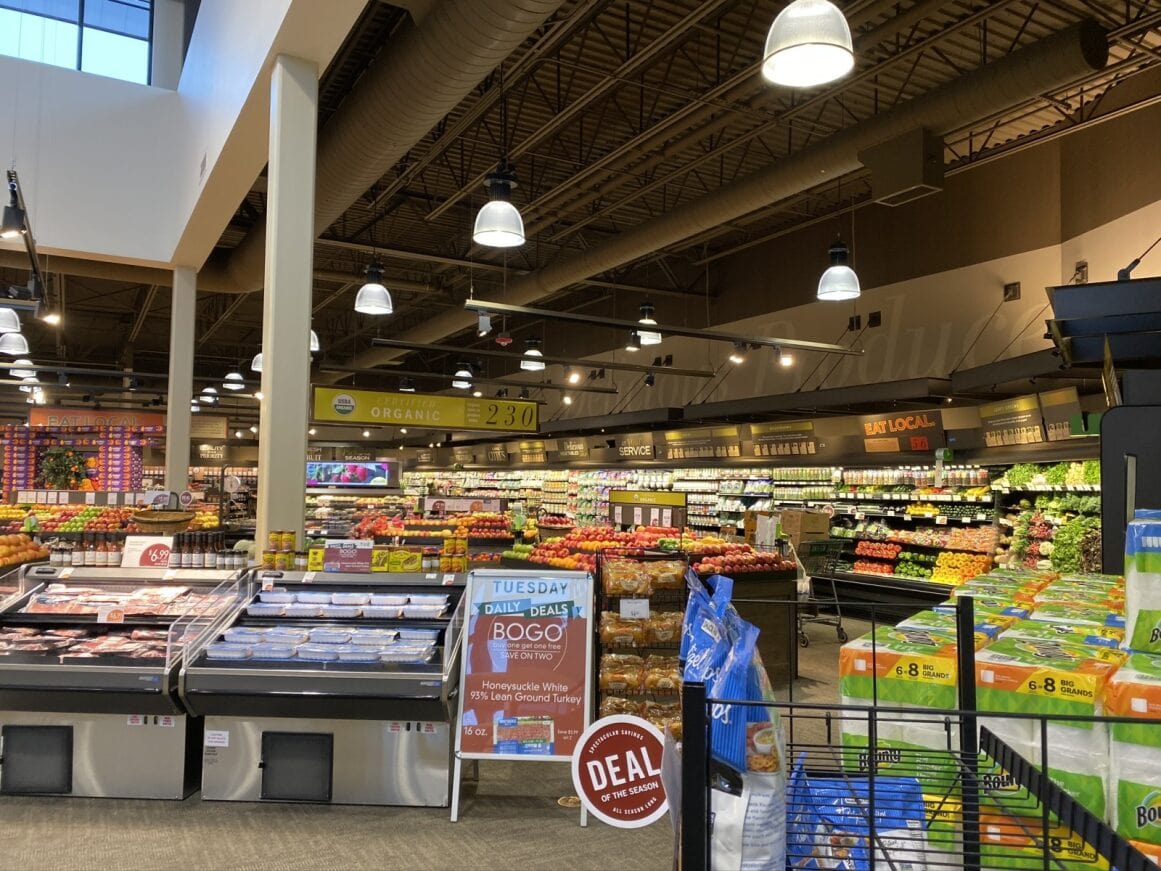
[[17, 549], [744, 561]]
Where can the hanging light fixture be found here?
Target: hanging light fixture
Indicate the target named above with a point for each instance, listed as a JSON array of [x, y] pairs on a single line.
[[13, 224], [498, 223], [9, 321], [784, 358], [406, 385], [22, 373], [532, 361], [839, 282], [648, 337], [373, 298], [809, 44], [314, 345], [634, 343], [256, 363], [234, 380], [463, 377], [13, 344]]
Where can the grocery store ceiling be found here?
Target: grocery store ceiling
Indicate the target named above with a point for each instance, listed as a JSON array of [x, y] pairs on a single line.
[[619, 111]]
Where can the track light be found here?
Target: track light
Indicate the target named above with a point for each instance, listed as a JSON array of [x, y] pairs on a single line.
[[531, 361], [485, 324], [256, 363], [406, 385], [634, 343], [233, 380], [463, 377], [650, 379], [809, 44], [648, 337], [373, 298], [738, 355], [784, 358], [839, 282]]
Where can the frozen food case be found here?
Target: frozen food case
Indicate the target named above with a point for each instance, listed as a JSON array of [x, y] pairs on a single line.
[[89, 663], [331, 687]]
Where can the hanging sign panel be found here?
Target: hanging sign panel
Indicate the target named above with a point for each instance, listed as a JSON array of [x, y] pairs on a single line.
[[1058, 408], [1015, 421], [333, 404]]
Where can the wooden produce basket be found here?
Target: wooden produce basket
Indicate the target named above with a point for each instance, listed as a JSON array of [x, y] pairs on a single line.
[[163, 522]]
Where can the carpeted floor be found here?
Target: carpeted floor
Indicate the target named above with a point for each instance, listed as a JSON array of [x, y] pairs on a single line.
[[510, 821]]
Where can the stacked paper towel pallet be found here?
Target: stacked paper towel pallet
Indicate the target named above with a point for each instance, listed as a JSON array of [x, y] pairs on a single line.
[[1046, 645]]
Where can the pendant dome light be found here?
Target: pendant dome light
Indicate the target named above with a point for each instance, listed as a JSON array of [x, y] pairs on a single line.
[[13, 344], [648, 337], [498, 223], [22, 373], [373, 298], [256, 363], [532, 361], [839, 282], [809, 44], [9, 321]]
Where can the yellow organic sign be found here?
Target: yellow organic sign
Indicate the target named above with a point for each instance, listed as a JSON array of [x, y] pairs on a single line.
[[332, 404]]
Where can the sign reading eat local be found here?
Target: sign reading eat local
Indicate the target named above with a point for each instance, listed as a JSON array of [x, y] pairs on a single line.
[[421, 409], [616, 771]]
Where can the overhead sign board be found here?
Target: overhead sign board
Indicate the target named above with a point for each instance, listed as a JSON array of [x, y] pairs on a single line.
[[336, 405]]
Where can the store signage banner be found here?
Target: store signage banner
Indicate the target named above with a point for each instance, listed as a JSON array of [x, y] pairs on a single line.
[[208, 426], [572, 449], [533, 452], [1015, 421], [899, 433], [789, 438], [49, 416], [635, 447], [616, 771], [1058, 408], [333, 404], [525, 686]]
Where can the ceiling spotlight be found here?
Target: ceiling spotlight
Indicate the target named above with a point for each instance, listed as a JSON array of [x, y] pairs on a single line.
[[648, 337], [259, 395], [498, 223], [9, 320], [23, 373], [312, 431], [634, 343], [784, 358], [314, 344], [485, 324], [366, 433], [373, 298], [256, 363], [839, 282], [650, 379], [406, 385], [738, 355], [574, 376], [809, 44], [566, 399], [234, 380], [531, 361], [254, 429], [13, 344], [463, 377], [13, 223]]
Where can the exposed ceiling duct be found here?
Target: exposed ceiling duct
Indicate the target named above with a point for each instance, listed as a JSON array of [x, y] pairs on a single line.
[[425, 74], [1038, 69]]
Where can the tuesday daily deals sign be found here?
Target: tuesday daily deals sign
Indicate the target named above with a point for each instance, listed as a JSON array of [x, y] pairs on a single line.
[[526, 671]]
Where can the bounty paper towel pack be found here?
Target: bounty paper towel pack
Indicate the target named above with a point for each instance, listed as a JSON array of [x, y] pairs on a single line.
[[1135, 749], [1143, 582]]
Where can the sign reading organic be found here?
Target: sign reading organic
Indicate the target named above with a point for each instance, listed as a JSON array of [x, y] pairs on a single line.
[[420, 409], [790, 438], [1012, 422], [894, 433], [1058, 407], [635, 447], [526, 664]]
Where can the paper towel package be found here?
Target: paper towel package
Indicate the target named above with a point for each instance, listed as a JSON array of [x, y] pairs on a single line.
[[1143, 582], [1135, 749]]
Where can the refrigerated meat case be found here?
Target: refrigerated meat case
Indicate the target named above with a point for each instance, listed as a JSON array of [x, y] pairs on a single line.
[[331, 731], [86, 709]]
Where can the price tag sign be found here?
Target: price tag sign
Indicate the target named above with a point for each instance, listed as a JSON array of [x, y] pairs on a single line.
[[634, 609]]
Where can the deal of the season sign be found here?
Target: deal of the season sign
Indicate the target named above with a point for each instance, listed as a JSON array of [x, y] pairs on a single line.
[[420, 409]]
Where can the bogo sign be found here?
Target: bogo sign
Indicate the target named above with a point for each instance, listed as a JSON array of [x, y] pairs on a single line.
[[616, 771]]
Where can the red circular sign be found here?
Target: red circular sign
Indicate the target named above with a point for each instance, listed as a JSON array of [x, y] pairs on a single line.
[[616, 770]]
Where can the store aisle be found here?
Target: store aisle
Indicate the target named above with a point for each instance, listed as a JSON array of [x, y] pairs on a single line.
[[513, 823]]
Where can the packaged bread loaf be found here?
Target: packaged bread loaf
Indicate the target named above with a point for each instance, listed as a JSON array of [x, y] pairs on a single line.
[[615, 630], [622, 673], [625, 578], [662, 674]]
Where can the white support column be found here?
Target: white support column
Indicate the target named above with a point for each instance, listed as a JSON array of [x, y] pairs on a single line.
[[181, 357], [286, 303]]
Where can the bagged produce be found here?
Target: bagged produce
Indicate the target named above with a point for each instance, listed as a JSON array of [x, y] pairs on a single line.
[[1143, 582]]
